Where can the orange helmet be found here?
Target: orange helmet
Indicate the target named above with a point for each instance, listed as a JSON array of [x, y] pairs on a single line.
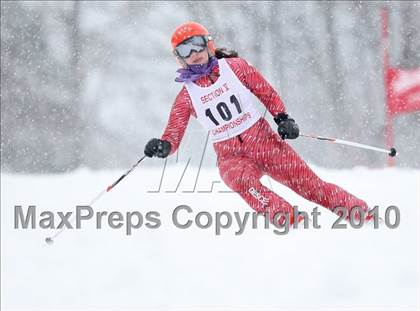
[[191, 29]]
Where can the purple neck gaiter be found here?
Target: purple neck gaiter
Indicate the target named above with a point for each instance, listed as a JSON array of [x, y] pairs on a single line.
[[194, 72]]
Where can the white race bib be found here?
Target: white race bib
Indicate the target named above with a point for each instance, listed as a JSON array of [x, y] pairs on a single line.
[[225, 108]]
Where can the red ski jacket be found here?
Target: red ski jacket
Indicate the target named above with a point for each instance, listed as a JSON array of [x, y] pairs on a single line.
[[182, 108]]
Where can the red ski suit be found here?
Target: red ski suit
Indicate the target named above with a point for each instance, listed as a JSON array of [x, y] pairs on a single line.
[[244, 159]]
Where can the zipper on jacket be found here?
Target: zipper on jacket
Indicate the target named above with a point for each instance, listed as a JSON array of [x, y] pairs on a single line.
[[212, 82]]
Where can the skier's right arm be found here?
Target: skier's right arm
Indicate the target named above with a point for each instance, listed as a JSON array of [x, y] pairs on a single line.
[[178, 119], [175, 128]]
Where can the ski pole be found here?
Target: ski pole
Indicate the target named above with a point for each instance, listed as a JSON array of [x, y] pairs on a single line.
[[50, 240], [391, 152]]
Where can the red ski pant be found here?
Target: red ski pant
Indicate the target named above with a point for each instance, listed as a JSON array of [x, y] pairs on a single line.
[[244, 161]]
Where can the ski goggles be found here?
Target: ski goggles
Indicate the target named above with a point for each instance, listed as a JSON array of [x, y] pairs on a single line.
[[193, 44]]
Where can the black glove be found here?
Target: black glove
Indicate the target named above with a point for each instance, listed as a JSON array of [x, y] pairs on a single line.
[[287, 128], [157, 148]]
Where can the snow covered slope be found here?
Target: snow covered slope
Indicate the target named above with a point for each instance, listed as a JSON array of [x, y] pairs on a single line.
[[172, 268]]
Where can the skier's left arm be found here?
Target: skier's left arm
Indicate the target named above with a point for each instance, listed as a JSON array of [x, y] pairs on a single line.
[[257, 84]]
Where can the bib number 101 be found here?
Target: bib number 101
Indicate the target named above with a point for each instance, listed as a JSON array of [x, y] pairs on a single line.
[[224, 111]]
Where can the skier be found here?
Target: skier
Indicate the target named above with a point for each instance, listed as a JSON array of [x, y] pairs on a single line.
[[221, 90]]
